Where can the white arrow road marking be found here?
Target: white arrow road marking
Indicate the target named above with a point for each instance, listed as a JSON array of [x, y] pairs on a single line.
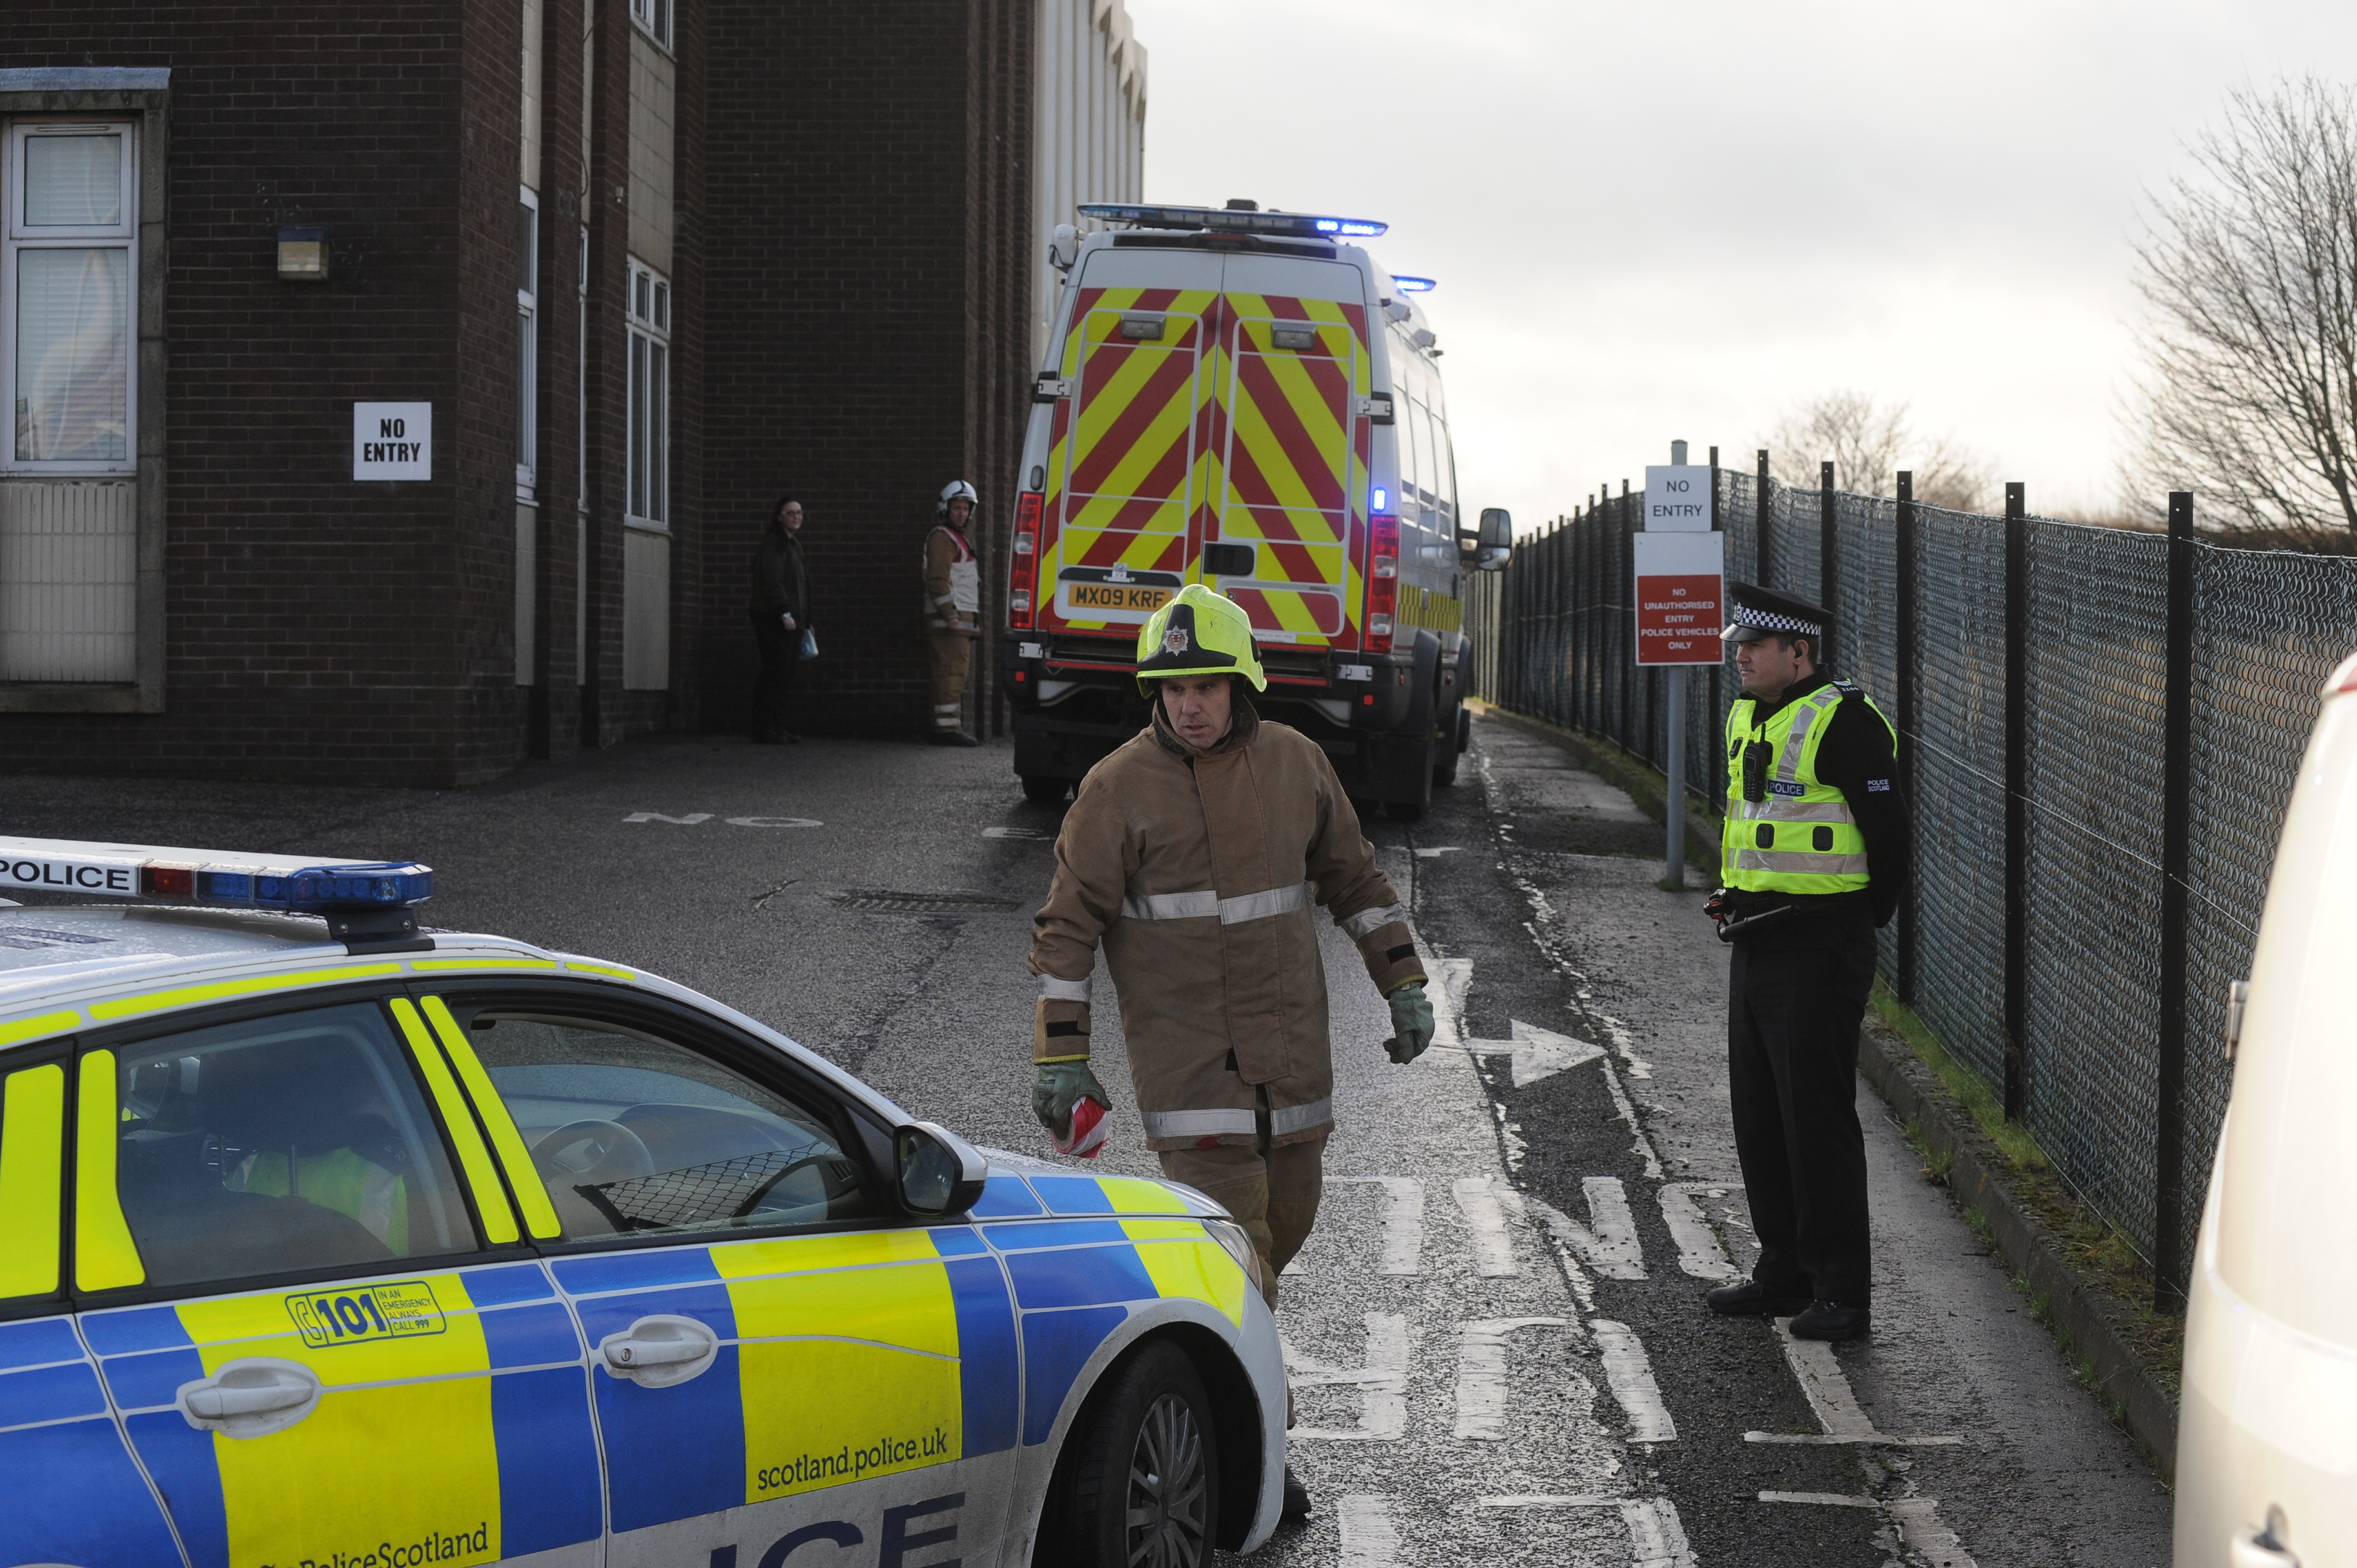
[[1481, 1375], [1656, 1532], [1402, 1222], [688, 821], [1483, 1200], [775, 822], [1542, 1053], [1611, 1249], [1368, 1539], [1631, 1377], [1382, 1382], [1699, 1253]]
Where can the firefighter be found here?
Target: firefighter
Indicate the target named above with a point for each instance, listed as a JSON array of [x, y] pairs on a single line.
[[1194, 854], [1814, 856], [952, 609]]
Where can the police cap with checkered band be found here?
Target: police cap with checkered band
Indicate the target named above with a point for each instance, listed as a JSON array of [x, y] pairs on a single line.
[[1755, 612]]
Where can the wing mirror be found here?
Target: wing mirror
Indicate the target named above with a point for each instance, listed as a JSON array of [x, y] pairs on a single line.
[[940, 1173], [1490, 546]]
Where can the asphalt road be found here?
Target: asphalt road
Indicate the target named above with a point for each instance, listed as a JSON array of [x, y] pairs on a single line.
[[1497, 1341]]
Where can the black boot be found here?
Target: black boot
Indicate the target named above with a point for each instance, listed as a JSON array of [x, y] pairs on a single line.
[[1830, 1320], [1296, 1499], [1752, 1299]]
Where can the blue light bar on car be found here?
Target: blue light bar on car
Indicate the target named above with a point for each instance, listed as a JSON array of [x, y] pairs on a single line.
[[206, 879], [1223, 220], [1413, 286]]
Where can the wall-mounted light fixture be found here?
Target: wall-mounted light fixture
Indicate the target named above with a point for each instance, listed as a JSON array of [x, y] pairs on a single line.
[[302, 255]]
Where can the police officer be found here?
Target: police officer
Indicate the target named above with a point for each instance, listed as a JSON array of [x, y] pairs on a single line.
[[953, 607], [1195, 853], [1815, 855]]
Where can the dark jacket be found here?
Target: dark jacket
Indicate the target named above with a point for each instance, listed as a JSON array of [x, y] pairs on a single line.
[[780, 578]]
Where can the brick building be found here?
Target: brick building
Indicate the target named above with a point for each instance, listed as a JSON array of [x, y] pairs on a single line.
[[623, 270]]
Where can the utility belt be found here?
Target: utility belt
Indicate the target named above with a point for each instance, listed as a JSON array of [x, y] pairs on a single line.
[[1786, 914]]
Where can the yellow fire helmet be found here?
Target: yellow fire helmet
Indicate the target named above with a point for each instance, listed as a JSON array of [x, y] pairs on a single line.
[[1197, 633]]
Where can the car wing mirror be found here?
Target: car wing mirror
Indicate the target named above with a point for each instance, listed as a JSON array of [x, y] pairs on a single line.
[[940, 1173], [1494, 541]]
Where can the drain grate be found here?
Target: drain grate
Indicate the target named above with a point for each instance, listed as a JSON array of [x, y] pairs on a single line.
[[920, 903]]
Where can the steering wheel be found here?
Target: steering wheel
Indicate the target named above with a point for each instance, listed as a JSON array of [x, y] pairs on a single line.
[[760, 1193], [591, 1152]]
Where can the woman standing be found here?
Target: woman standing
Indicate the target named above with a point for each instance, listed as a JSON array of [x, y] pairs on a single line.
[[780, 611]]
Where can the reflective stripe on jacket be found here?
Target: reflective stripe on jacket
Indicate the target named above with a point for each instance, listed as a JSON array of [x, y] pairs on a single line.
[[1802, 837], [1199, 873]]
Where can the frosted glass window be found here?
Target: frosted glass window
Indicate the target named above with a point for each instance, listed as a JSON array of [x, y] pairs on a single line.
[[73, 181], [72, 361]]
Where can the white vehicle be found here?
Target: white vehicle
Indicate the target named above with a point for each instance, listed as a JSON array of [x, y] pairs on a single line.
[[328, 1239], [2266, 1436]]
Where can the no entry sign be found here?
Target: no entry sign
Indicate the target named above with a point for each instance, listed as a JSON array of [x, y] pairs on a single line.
[[1680, 589]]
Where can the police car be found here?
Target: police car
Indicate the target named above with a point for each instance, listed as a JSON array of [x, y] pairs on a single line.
[[328, 1241]]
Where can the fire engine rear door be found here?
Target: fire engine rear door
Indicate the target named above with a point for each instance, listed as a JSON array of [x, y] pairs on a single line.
[[1293, 451], [1130, 447]]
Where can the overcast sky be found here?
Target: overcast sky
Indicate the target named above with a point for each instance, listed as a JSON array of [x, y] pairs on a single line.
[[1659, 221]]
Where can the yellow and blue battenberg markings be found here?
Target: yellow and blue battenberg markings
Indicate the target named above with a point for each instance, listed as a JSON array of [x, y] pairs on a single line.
[[74, 1494], [498, 1399]]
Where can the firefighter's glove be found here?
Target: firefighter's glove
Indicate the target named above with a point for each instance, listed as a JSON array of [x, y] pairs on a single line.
[[1062, 1085], [1718, 905], [1411, 1023]]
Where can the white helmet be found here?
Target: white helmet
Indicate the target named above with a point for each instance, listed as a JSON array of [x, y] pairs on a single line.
[[956, 491]]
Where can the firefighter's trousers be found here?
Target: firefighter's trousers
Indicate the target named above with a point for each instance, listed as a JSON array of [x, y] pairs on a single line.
[[952, 653], [1272, 1192]]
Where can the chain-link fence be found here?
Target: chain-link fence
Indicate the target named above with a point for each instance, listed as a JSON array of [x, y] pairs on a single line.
[[2037, 940]]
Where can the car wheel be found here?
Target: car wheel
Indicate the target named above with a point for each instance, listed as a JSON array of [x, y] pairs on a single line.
[[1137, 1483], [1045, 791]]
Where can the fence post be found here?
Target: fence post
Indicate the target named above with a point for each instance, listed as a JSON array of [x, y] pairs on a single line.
[[2016, 794], [1762, 549], [1717, 781], [1826, 532], [2176, 845], [1911, 680], [1624, 578]]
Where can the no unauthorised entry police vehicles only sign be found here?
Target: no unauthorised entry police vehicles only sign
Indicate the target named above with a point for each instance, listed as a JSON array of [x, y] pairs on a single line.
[[328, 1237]]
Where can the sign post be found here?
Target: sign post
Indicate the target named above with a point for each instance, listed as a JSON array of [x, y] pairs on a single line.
[[1681, 590]]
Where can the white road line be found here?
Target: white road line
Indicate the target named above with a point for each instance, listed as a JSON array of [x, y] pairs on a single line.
[[1449, 980], [1368, 1539], [1481, 1375], [1920, 1526], [1612, 1248], [1870, 1439], [1403, 1252], [1631, 1377], [1382, 1382], [1550, 1500], [1483, 1200], [1618, 1033], [1638, 1141], [1821, 1380], [688, 821], [1656, 1534], [1699, 1253], [1823, 1499]]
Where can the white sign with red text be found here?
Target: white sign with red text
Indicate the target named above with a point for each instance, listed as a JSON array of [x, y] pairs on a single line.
[[1680, 596]]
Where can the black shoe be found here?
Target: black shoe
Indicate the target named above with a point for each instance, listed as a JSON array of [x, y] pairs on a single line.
[[1830, 1320], [1296, 1499], [1752, 1299], [954, 738]]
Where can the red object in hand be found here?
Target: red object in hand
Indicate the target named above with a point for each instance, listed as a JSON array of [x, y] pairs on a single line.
[[1088, 1130]]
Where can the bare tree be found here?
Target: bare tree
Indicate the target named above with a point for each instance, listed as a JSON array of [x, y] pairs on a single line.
[[1868, 444], [2249, 392]]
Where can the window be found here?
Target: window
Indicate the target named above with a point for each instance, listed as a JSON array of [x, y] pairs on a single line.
[[67, 282], [653, 18], [299, 1142], [650, 434], [527, 342], [635, 1134]]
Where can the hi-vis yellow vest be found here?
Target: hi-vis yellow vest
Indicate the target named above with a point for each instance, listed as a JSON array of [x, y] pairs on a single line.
[[1802, 837]]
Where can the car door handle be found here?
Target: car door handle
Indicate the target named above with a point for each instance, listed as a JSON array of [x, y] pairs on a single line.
[[658, 1351], [250, 1398]]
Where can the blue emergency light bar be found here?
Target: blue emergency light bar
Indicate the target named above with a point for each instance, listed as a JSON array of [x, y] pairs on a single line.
[[205, 879], [1413, 286], [1222, 219]]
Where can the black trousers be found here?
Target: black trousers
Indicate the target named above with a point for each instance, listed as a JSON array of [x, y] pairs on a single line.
[[773, 689], [1793, 1012]]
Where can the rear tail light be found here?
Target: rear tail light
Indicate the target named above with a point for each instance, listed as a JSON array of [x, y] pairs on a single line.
[[1023, 569], [1382, 582]]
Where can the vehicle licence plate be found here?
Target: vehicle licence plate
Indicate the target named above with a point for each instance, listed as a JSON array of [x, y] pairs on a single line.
[[1114, 597]]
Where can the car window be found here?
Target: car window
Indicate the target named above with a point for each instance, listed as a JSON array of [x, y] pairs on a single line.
[[295, 1142], [634, 1133]]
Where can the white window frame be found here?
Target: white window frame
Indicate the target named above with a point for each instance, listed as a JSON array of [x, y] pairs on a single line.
[[655, 19], [646, 493], [16, 239], [528, 350]]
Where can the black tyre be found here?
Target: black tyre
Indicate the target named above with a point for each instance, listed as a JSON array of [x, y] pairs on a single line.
[[1137, 1483], [1464, 729], [1445, 749], [1045, 791]]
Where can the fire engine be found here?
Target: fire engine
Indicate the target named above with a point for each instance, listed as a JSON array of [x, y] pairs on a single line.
[[1243, 399]]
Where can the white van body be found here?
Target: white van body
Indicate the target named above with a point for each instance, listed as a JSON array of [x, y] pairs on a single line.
[[2266, 1436]]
